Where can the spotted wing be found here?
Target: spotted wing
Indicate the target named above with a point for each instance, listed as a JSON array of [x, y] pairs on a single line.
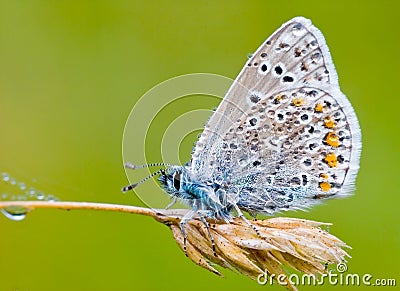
[[295, 56], [284, 136], [291, 149]]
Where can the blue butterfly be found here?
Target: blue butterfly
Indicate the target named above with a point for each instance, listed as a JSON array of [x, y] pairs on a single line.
[[283, 138]]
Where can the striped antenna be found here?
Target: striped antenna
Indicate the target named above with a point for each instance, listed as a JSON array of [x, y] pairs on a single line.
[[132, 186], [134, 167]]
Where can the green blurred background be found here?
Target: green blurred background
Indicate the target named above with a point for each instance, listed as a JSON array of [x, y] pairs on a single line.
[[70, 73]]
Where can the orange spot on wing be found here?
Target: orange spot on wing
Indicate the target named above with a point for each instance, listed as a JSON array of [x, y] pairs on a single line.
[[331, 160], [319, 107], [332, 139], [298, 102], [278, 99], [329, 123], [324, 176], [325, 186]]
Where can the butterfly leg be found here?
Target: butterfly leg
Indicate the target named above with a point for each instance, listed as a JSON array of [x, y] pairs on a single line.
[[241, 215], [188, 216], [171, 203], [207, 225]]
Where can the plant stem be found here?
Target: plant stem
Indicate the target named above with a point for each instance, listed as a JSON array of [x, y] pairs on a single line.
[[158, 214]]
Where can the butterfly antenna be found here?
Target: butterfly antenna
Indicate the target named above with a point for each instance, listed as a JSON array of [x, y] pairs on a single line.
[[132, 186], [134, 167]]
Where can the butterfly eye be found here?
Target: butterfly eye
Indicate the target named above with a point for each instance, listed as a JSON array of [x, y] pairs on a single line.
[[177, 180]]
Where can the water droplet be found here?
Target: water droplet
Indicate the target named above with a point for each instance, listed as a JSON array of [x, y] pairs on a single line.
[[40, 195], [15, 213], [51, 198], [31, 192], [22, 186], [5, 177], [21, 191]]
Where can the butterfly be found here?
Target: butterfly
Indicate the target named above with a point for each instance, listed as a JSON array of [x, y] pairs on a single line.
[[283, 138]]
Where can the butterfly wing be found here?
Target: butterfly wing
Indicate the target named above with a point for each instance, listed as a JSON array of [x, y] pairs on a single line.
[[293, 149], [286, 87]]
